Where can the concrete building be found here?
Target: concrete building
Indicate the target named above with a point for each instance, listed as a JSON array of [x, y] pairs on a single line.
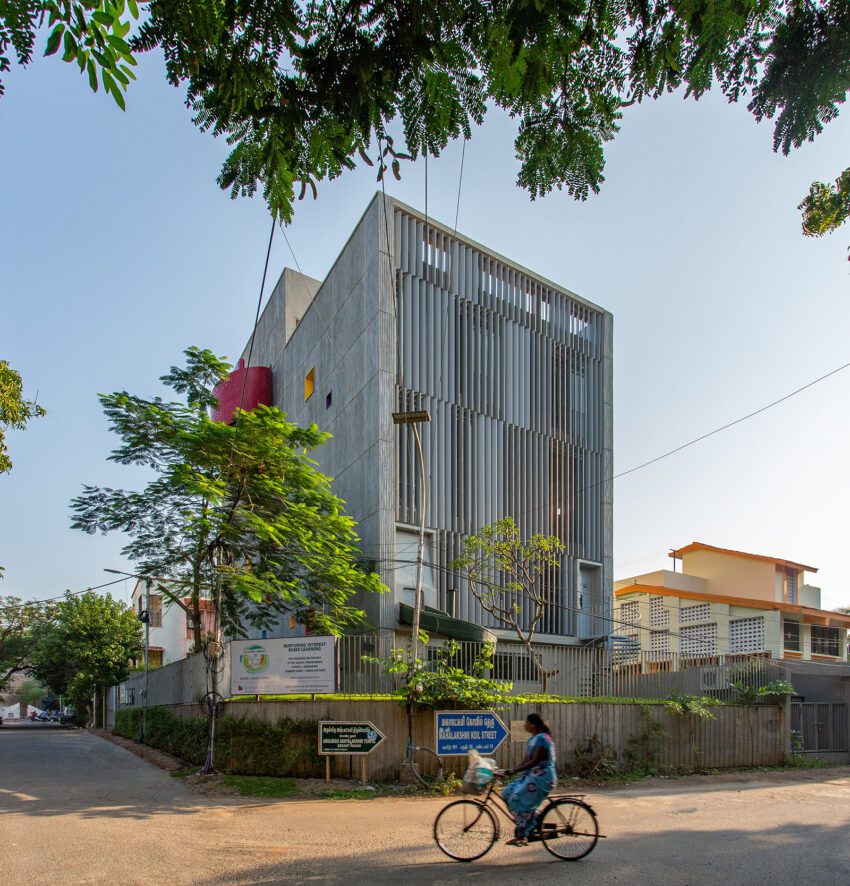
[[171, 634], [516, 373], [726, 602]]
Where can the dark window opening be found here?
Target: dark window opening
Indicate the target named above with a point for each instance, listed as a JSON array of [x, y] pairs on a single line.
[[791, 636], [825, 641], [328, 400]]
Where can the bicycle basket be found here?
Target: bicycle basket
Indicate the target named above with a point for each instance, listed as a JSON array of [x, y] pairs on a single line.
[[479, 774]]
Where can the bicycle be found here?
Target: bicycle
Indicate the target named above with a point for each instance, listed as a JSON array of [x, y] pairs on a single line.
[[467, 829]]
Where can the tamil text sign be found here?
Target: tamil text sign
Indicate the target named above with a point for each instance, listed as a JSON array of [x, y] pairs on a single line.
[[283, 666], [348, 737], [460, 731]]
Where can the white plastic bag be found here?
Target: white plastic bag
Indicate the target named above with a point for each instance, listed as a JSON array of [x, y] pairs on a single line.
[[479, 773]]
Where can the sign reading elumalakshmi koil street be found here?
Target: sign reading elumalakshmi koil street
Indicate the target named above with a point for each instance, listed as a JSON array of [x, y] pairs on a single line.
[[283, 666]]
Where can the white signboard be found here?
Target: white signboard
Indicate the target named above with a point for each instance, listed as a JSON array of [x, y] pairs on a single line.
[[286, 666]]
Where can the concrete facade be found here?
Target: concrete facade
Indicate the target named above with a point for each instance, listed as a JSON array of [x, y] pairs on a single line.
[[516, 373]]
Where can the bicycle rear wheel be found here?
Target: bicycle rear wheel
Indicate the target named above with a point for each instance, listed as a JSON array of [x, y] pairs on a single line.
[[465, 830], [568, 829]]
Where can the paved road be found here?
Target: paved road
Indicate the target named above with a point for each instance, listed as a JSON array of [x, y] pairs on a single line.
[[76, 809]]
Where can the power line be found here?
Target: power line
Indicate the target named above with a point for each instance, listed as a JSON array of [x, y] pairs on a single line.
[[728, 425], [75, 593], [254, 331], [711, 433]]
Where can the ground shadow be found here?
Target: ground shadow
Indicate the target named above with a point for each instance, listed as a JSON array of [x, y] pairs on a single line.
[[674, 857]]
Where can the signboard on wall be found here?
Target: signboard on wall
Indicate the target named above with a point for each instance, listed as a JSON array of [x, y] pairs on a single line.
[[352, 737], [460, 731], [283, 666]]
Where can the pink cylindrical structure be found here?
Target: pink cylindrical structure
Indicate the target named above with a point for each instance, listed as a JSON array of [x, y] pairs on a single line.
[[258, 391]]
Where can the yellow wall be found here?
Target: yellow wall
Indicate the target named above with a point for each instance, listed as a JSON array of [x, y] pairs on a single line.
[[733, 576], [666, 578]]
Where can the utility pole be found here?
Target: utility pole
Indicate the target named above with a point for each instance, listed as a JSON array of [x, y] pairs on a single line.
[[147, 615]]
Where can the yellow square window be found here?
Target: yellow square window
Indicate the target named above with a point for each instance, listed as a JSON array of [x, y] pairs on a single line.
[[309, 383]]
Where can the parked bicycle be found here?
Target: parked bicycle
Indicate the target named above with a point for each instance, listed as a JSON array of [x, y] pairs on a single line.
[[468, 829]]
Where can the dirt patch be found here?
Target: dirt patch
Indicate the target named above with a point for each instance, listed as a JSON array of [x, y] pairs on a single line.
[[152, 755]]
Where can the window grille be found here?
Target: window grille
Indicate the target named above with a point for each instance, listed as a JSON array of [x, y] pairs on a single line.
[[698, 640], [701, 612], [791, 636], [746, 634], [514, 666], [155, 613], [658, 613], [825, 641], [790, 585], [629, 612], [659, 642]]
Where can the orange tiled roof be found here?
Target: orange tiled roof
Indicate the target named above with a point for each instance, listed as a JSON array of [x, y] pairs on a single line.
[[700, 546]]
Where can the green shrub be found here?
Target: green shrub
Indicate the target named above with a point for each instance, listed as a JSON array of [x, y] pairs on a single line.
[[442, 683], [243, 747]]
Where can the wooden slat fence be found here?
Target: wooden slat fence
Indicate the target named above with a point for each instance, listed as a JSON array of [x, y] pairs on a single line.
[[739, 736]]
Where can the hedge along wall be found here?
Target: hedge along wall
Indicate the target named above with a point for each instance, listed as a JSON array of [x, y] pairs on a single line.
[[246, 746], [279, 738]]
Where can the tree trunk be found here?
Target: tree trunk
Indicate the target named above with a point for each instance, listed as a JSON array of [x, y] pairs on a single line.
[[98, 709]]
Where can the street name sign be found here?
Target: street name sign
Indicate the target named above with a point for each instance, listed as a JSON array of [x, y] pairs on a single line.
[[356, 737], [460, 731]]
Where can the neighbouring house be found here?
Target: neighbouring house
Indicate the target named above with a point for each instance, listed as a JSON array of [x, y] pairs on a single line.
[[171, 635], [516, 374], [726, 602]]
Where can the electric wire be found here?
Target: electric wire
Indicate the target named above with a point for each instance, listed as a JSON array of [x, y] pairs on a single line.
[[695, 440], [725, 427], [73, 593]]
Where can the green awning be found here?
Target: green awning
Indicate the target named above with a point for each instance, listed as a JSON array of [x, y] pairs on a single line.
[[435, 622]]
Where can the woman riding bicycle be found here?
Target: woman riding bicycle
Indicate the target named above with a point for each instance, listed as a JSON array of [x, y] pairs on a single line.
[[538, 778]]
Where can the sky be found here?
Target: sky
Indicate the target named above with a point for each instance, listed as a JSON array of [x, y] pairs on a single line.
[[118, 250]]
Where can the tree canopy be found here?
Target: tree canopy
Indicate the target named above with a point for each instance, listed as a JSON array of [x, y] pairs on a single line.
[[249, 489], [506, 575], [15, 411], [85, 646], [18, 623], [300, 91]]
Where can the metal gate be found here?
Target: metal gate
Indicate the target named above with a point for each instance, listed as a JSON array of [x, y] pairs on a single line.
[[821, 726]]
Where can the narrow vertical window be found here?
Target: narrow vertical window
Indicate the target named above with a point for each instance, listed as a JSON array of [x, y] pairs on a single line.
[[790, 585], [328, 400], [309, 384]]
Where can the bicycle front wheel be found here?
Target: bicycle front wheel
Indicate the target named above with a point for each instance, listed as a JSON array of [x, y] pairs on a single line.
[[568, 829], [465, 830]]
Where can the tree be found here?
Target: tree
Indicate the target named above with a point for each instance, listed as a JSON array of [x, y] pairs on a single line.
[[85, 647], [301, 90], [31, 692], [506, 576], [248, 490], [18, 622], [90, 34], [15, 412]]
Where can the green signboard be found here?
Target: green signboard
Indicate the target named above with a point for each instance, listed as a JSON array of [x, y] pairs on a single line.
[[348, 737]]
